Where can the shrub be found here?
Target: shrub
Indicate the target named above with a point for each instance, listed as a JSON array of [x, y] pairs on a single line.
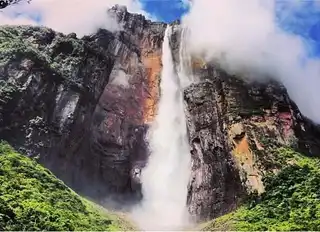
[[32, 198], [291, 200]]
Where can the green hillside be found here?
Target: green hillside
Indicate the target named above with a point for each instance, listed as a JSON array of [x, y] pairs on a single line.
[[291, 200], [32, 198]]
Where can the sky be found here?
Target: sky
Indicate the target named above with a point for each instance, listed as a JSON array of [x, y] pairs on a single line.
[[165, 10], [303, 20]]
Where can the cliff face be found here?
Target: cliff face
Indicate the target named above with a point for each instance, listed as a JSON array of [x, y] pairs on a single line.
[[50, 86], [82, 106], [234, 129], [235, 126], [127, 104]]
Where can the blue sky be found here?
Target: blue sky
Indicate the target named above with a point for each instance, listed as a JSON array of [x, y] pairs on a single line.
[[303, 20], [165, 10]]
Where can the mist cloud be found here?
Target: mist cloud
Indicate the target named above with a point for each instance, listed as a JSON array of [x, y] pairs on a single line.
[[245, 37], [66, 16]]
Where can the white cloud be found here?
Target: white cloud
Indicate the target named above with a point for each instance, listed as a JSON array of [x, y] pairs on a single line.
[[244, 36], [82, 17], [186, 3], [8, 20]]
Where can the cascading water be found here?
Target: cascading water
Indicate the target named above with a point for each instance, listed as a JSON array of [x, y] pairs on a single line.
[[165, 179], [185, 74]]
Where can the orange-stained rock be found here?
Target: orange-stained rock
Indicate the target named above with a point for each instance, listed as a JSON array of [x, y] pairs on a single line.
[[198, 63], [128, 103], [153, 66]]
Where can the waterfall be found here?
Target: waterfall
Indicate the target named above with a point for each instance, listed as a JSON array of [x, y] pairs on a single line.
[[186, 76], [165, 178]]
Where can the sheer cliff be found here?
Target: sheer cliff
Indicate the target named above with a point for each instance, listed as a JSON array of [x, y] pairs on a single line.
[[82, 108], [82, 105], [236, 127]]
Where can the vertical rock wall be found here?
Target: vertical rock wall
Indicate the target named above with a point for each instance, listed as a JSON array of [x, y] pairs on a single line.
[[82, 105]]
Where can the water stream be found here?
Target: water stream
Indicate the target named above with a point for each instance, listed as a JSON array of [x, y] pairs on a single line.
[[165, 178]]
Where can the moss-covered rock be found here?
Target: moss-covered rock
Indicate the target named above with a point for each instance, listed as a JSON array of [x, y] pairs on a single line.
[[291, 200], [60, 56], [32, 198]]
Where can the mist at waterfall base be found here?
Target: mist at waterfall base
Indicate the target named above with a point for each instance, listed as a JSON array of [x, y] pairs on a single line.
[[166, 176], [245, 38]]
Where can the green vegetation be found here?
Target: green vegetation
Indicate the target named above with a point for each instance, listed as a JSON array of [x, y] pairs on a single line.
[[291, 200], [32, 198], [7, 90], [13, 46], [62, 55]]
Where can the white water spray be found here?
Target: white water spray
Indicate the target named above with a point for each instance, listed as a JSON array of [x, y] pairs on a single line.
[[186, 76], [165, 179]]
